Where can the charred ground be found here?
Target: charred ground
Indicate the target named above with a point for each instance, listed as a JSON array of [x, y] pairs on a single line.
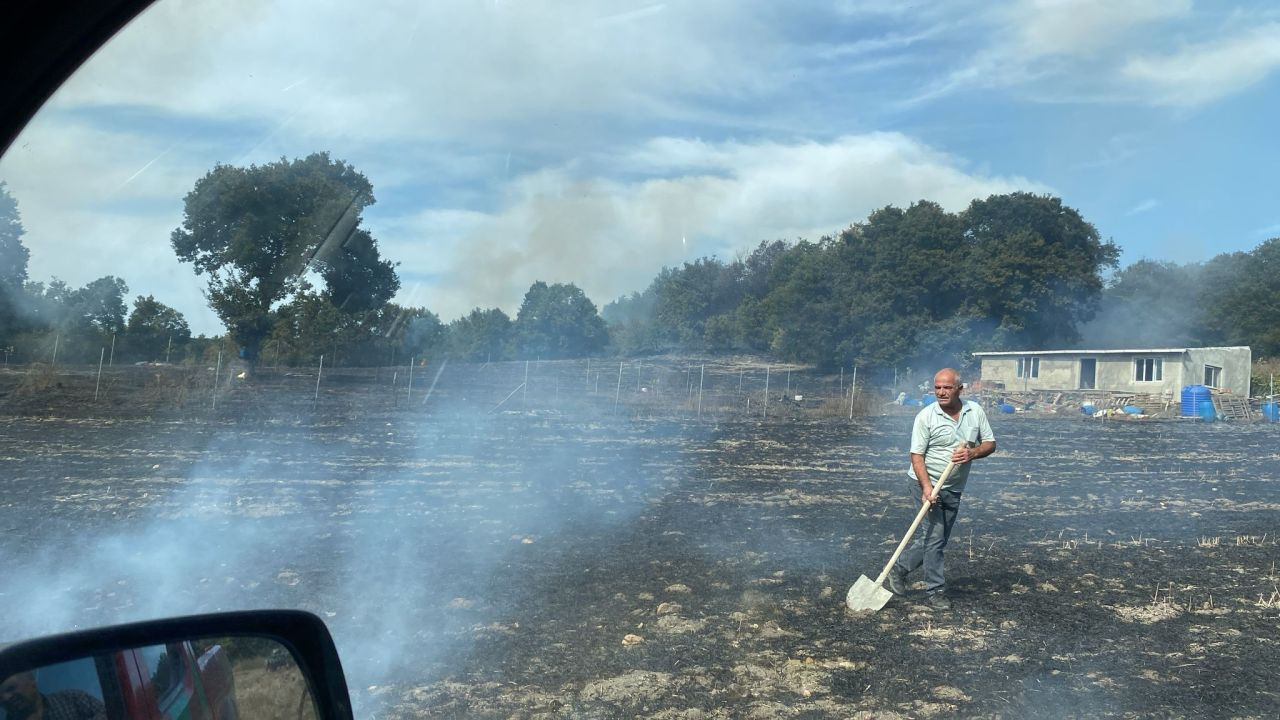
[[573, 560]]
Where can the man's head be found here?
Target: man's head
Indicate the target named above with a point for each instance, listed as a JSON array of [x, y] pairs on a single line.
[[947, 387], [19, 695]]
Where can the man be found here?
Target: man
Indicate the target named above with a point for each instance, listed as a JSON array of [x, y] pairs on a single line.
[[950, 430], [21, 699]]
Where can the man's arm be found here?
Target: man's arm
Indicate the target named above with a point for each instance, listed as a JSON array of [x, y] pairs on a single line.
[[922, 475]]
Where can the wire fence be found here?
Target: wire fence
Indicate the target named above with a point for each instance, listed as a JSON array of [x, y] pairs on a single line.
[[710, 388]]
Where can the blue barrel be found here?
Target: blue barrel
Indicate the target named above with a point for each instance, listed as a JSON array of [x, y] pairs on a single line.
[[1192, 396], [1205, 411], [1006, 408], [1088, 408], [1132, 410], [930, 398], [1271, 411]]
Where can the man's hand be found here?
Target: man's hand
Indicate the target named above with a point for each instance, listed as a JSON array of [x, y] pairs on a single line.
[[962, 455], [927, 493]]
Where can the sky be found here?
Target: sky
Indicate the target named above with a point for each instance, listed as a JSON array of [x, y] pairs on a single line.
[[596, 142]]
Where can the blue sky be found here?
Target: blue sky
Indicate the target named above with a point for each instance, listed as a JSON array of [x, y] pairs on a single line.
[[595, 142]]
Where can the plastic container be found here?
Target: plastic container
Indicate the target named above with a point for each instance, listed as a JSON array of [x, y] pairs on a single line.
[[1006, 408], [1132, 410], [1088, 409], [930, 398], [1205, 411], [1271, 411], [1192, 396]]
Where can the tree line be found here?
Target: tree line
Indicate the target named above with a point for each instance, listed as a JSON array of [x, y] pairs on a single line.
[[292, 275]]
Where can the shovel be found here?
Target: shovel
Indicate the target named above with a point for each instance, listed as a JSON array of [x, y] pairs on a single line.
[[868, 596]]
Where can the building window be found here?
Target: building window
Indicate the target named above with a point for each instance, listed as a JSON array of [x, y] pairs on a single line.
[[1148, 369], [1213, 376], [1028, 367]]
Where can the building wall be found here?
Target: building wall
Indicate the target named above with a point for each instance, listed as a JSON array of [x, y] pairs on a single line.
[[1236, 364], [1062, 372], [1116, 372], [1056, 373]]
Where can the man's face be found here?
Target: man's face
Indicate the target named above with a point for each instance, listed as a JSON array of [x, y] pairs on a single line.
[[18, 695], [946, 388]]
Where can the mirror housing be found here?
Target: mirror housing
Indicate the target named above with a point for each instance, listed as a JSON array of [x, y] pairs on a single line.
[[303, 634]]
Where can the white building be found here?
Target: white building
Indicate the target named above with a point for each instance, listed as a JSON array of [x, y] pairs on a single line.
[[1157, 370]]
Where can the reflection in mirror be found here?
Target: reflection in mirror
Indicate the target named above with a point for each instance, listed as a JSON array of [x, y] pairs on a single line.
[[224, 678]]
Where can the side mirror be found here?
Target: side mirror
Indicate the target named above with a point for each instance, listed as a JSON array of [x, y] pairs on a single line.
[[226, 666]]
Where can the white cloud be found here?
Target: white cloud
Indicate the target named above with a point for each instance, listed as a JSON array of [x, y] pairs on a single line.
[[1081, 27], [1144, 206], [428, 70], [1114, 52], [1199, 74]]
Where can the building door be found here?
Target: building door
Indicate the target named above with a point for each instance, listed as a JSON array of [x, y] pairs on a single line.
[[1088, 373]]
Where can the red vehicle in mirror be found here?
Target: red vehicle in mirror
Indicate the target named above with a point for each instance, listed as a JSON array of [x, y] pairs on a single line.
[[168, 682]]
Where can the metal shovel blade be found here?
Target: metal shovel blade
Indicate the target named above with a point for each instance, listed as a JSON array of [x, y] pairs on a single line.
[[866, 596]]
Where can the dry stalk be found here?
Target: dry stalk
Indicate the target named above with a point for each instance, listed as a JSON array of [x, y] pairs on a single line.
[[1207, 542]]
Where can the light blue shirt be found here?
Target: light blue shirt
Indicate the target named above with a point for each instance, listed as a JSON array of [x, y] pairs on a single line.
[[935, 434]]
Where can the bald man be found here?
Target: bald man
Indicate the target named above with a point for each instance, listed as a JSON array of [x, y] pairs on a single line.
[[950, 430]]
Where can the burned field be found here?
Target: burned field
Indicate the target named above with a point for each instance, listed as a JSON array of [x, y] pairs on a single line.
[[584, 560]]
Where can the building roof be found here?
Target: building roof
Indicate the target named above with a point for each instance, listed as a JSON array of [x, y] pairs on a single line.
[[1133, 351]]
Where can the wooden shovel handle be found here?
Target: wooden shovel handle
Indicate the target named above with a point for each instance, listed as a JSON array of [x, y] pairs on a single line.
[[924, 508]]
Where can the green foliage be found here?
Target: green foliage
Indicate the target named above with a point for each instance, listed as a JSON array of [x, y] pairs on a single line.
[[155, 331], [13, 266], [257, 232], [310, 325], [917, 286], [558, 321], [99, 306], [1036, 267], [1149, 304], [480, 336], [1239, 295], [78, 322]]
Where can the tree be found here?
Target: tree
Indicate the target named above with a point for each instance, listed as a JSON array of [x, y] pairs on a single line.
[[155, 330], [1035, 268], [13, 266], [558, 321], [1149, 304], [480, 335], [686, 297], [1239, 299], [258, 231], [100, 305]]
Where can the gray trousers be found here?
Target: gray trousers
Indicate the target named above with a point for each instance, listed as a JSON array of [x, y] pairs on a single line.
[[927, 548]]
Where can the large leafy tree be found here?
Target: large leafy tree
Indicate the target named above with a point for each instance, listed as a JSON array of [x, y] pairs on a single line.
[[480, 335], [558, 321], [258, 232], [100, 305], [155, 329], [13, 265], [1241, 299], [1035, 268], [686, 297], [1149, 304]]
